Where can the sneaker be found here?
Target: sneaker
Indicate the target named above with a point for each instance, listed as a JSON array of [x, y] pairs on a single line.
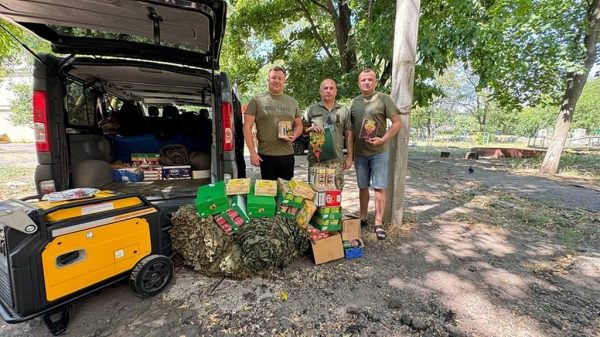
[[363, 223]]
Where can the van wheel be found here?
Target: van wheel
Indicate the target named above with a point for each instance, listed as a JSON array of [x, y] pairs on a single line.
[[298, 147], [151, 275]]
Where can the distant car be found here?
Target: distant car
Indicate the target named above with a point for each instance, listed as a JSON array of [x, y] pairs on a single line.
[[301, 144]]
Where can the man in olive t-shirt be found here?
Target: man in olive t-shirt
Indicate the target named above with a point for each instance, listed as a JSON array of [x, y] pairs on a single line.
[[373, 109], [335, 117], [275, 155]]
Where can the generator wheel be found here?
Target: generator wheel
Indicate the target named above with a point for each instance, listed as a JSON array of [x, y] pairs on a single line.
[[151, 275]]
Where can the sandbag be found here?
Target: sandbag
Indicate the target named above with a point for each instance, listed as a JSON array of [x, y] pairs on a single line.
[[176, 154], [200, 160]]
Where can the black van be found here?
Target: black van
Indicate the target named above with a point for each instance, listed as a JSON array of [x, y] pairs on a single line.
[[129, 70]]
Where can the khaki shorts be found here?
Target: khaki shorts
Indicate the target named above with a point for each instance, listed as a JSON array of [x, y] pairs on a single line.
[[339, 172]]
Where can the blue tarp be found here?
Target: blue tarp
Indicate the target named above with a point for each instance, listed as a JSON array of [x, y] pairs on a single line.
[[123, 147]]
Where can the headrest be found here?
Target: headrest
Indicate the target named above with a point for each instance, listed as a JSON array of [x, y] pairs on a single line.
[[153, 111], [170, 111], [204, 113]]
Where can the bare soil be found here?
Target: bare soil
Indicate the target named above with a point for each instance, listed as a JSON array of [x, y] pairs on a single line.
[[488, 253]]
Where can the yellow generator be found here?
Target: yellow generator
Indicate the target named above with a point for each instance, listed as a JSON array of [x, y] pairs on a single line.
[[53, 254]]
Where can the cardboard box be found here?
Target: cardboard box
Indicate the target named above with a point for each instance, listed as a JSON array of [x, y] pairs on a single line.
[[292, 203], [211, 199], [327, 197], [315, 234], [233, 218], [285, 129], [177, 172], [200, 174], [152, 172], [266, 188], [329, 209], [326, 225], [327, 216], [238, 186], [319, 177], [127, 174], [306, 213], [260, 206], [286, 210], [328, 249], [301, 189], [145, 158], [227, 227], [238, 203], [350, 228], [353, 249]]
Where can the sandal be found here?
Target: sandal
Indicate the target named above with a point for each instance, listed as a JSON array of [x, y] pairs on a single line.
[[380, 232]]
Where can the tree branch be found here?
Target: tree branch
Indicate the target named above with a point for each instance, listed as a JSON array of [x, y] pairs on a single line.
[[320, 5], [314, 28]]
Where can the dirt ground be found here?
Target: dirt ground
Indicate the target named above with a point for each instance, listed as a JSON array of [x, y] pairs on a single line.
[[488, 253]]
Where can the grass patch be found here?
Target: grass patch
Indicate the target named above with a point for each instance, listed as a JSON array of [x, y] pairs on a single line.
[[572, 164], [16, 181]]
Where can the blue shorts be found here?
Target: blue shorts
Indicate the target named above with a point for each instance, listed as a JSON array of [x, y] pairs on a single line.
[[371, 169]]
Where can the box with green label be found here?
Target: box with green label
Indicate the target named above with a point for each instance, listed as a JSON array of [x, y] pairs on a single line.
[[211, 199], [283, 189], [327, 216], [326, 225], [260, 206], [238, 203], [292, 203]]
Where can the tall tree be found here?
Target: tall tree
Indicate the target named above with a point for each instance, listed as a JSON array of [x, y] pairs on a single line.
[[315, 39], [403, 70], [587, 43]]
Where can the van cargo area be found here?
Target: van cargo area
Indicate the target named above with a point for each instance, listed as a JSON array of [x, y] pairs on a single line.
[[115, 110]]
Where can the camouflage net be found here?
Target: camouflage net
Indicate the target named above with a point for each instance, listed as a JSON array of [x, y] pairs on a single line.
[[271, 242], [259, 246]]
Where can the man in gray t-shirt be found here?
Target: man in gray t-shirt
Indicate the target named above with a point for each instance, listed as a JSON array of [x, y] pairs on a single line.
[[275, 155], [335, 117], [370, 112]]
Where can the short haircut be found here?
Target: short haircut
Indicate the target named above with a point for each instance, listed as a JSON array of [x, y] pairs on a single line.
[[278, 68], [369, 70], [327, 79]]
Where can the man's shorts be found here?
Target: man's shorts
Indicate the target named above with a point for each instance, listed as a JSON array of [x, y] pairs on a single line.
[[339, 172], [371, 170]]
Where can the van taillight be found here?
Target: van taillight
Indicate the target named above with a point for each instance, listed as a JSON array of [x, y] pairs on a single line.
[[40, 121], [227, 125]]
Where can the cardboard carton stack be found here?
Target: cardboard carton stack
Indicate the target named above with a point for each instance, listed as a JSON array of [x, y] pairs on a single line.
[[289, 203], [260, 206], [148, 163], [351, 241], [235, 203]]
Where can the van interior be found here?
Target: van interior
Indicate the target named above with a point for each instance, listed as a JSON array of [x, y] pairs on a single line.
[[115, 109]]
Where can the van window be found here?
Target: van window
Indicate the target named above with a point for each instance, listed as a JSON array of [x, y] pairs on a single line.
[[80, 105]]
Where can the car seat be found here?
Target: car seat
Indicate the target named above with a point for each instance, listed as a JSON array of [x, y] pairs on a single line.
[[169, 123]]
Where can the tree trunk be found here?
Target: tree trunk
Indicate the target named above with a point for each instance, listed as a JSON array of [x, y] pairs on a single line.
[[343, 25], [403, 76], [575, 84]]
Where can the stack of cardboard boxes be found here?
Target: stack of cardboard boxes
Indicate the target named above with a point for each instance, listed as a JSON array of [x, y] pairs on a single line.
[[236, 202], [146, 166]]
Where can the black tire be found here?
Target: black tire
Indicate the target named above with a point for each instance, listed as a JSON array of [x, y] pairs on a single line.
[[299, 147], [151, 275]]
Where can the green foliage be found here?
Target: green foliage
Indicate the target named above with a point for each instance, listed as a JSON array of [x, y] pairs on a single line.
[[588, 107], [21, 106]]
